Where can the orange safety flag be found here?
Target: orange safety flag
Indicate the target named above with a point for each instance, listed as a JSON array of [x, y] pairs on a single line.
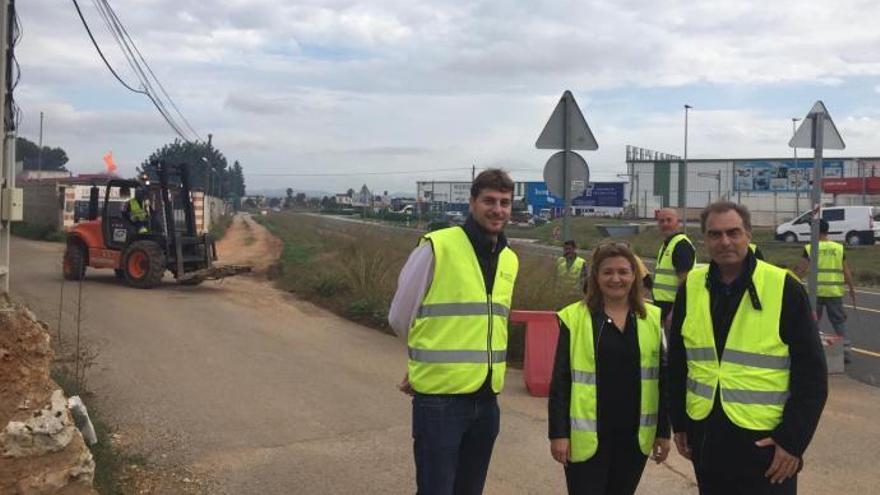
[[108, 160]]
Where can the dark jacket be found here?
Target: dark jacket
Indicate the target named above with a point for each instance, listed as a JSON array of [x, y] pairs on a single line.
[[618, 381], [717, 442]]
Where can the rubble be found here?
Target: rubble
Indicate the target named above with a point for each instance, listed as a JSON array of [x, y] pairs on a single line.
[[41, 449]]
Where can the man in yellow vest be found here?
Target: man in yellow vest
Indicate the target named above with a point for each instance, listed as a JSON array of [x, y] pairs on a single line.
[[137, 211], [674, 260], [833, 274], [571, 269], [452, 302], [747, 373]]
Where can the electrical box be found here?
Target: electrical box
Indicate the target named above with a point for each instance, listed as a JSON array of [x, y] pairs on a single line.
[[12, 205]]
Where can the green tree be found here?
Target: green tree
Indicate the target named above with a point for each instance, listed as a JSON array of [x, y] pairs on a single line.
[[288, 200], [29, 152], [207, 166]]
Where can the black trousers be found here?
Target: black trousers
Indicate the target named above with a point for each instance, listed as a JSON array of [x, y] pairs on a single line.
[[615, 470], [733, 483], [735, 466]]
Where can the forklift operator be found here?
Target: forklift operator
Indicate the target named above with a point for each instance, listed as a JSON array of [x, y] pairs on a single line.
[[137, 211]]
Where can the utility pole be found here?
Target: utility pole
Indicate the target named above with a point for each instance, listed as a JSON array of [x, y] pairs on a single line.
[[7, 150], [473, 172], [684, 217], [799, 175], [40, 150], [208, 170]]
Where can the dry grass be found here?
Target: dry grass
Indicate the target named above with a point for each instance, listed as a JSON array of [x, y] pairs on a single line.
[[352, 269]]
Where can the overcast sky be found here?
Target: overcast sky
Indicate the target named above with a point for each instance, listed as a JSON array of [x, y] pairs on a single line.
[[354, 87]]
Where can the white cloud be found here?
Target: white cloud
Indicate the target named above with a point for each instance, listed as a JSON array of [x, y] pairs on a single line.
[[343, 85]]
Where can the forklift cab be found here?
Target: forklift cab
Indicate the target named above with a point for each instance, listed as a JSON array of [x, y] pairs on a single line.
[[118, 231]]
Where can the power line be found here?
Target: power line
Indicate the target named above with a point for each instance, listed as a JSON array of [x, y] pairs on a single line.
[[126, 45], [149, 69], [129, 49], [101, 53]]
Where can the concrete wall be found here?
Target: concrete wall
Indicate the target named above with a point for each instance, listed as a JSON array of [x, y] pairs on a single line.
[[42, 204], [214, 207]]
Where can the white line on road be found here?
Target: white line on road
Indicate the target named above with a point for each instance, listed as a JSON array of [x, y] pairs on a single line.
[[862, 308]]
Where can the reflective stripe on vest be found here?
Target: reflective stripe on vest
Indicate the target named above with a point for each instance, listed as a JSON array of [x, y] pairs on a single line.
[[665, 278], [583, 411], [830, 281], [460, 331], [136, 212], [753, 374], [566, 272]]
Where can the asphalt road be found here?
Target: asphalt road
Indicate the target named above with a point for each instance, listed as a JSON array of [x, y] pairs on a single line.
[[862, 325], [261, 393]]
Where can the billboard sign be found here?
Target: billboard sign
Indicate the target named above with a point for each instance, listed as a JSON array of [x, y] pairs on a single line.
[[600, 194], [780, 175]]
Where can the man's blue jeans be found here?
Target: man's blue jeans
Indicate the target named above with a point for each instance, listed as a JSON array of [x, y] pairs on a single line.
[[452, 442]]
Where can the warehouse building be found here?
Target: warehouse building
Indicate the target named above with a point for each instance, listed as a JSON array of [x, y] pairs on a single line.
[[774, 189]]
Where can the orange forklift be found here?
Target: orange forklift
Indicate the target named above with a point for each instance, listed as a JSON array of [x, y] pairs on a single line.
[[141, 256]]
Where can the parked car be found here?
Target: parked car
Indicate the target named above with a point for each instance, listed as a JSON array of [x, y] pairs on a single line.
[[853, 225]]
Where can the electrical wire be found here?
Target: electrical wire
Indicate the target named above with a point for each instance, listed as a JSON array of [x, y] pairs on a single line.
[[101, 53], [129, 49], [150, 70]]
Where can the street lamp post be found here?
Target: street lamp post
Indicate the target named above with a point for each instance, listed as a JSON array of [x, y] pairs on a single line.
[[684, 217], [800, 178]]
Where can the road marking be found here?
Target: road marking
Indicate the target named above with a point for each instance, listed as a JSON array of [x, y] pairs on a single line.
[[866, 352], [862, 308]]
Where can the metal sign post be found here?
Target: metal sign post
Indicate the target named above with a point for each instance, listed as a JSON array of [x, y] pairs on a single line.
[[566, 172], [818, 132]]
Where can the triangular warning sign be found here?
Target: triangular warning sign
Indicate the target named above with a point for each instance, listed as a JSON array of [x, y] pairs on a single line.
[[806, 138], [579, 135]]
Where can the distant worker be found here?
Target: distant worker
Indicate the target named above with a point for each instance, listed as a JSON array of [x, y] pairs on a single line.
[[675, 259], [833, 273], [571, 269], [137, 211], [452, 303]]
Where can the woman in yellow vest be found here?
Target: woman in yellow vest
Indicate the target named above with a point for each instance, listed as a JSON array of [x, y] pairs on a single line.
[[605, 410]]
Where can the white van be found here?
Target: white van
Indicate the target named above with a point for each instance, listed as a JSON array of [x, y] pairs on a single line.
[[851, 224]]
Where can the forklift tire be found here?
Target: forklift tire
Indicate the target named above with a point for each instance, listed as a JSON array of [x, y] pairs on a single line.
[[144, 264], [74, 262]]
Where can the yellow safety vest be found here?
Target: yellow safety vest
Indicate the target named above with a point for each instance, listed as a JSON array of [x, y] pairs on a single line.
[[570, 273], [665, 278], [753, 247], [584, 408], [460, 331], [137, 212], [753, 372], [830, 277]]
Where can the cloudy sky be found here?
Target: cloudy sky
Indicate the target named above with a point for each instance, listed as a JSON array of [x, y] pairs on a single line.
[[352, 89]]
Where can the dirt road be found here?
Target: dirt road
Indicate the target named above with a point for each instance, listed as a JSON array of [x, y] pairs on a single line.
[[248, 243], [265, 394]]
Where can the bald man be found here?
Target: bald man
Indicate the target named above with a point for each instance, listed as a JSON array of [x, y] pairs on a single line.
[[674, 260]]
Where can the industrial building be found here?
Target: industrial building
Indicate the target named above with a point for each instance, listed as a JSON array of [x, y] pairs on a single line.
[[774, 189], [599, 199]]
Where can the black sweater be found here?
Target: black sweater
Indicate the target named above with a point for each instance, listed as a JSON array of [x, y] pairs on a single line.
[[618, 382], [720, 441]]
